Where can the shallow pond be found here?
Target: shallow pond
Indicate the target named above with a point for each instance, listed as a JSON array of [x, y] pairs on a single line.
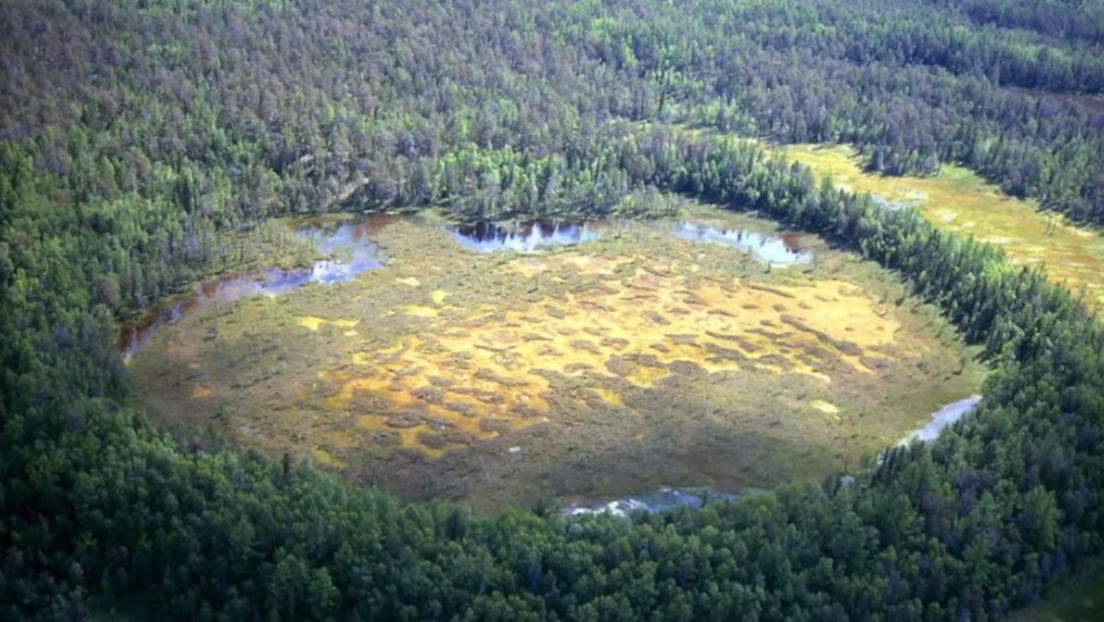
[[487, 237], [615, 365], [348, 251], [779, 249]]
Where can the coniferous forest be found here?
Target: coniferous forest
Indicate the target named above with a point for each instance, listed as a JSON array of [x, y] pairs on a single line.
[[140, 138]]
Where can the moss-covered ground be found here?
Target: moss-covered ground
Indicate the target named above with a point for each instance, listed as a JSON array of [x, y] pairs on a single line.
[[958, 200]]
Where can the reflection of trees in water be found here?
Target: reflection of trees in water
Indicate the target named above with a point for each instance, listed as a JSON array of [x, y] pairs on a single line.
[[793, 242], [351, 230], [483, 232], [527, 234], [348, 231], [221, 290], [372, 224], [787, 247]]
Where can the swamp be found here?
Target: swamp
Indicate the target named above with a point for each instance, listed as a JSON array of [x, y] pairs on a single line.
[[518, 364]]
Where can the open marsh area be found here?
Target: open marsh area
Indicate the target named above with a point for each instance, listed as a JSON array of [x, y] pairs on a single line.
[[958, 200], [711, 350]]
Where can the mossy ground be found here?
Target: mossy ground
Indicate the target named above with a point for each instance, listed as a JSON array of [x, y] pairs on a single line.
[[609, 368], [958, 200]]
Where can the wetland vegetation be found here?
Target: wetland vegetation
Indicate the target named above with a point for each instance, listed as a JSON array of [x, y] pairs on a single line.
[[608, 367], [958, 200], [223, 398]]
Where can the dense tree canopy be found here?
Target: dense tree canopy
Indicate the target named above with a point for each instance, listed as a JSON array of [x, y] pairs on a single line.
[[137, 140]]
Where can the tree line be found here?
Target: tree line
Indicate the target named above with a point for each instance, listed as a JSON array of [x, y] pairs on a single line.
[[997, 510], [136, 139]]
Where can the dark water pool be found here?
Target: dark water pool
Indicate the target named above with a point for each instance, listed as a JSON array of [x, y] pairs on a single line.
[[488, 237]]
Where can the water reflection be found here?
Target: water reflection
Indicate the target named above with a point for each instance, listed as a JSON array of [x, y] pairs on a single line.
[[347, 252], [776, 249], [486, 237], [662, 499], [944, 418]]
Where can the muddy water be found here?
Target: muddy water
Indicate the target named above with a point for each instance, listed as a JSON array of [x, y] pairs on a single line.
[[612, 366], [958, 200]]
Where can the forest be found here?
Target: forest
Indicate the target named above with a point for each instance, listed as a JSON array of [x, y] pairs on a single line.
[[139, 141]]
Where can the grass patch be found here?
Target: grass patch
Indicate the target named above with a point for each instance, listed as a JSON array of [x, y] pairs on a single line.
[[958, 200]]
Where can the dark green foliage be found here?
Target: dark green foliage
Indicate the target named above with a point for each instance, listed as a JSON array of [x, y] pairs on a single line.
[[136, 138]]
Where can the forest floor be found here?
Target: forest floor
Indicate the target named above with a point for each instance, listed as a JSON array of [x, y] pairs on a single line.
[[608, 368], [1080, 601], [958, 200]]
